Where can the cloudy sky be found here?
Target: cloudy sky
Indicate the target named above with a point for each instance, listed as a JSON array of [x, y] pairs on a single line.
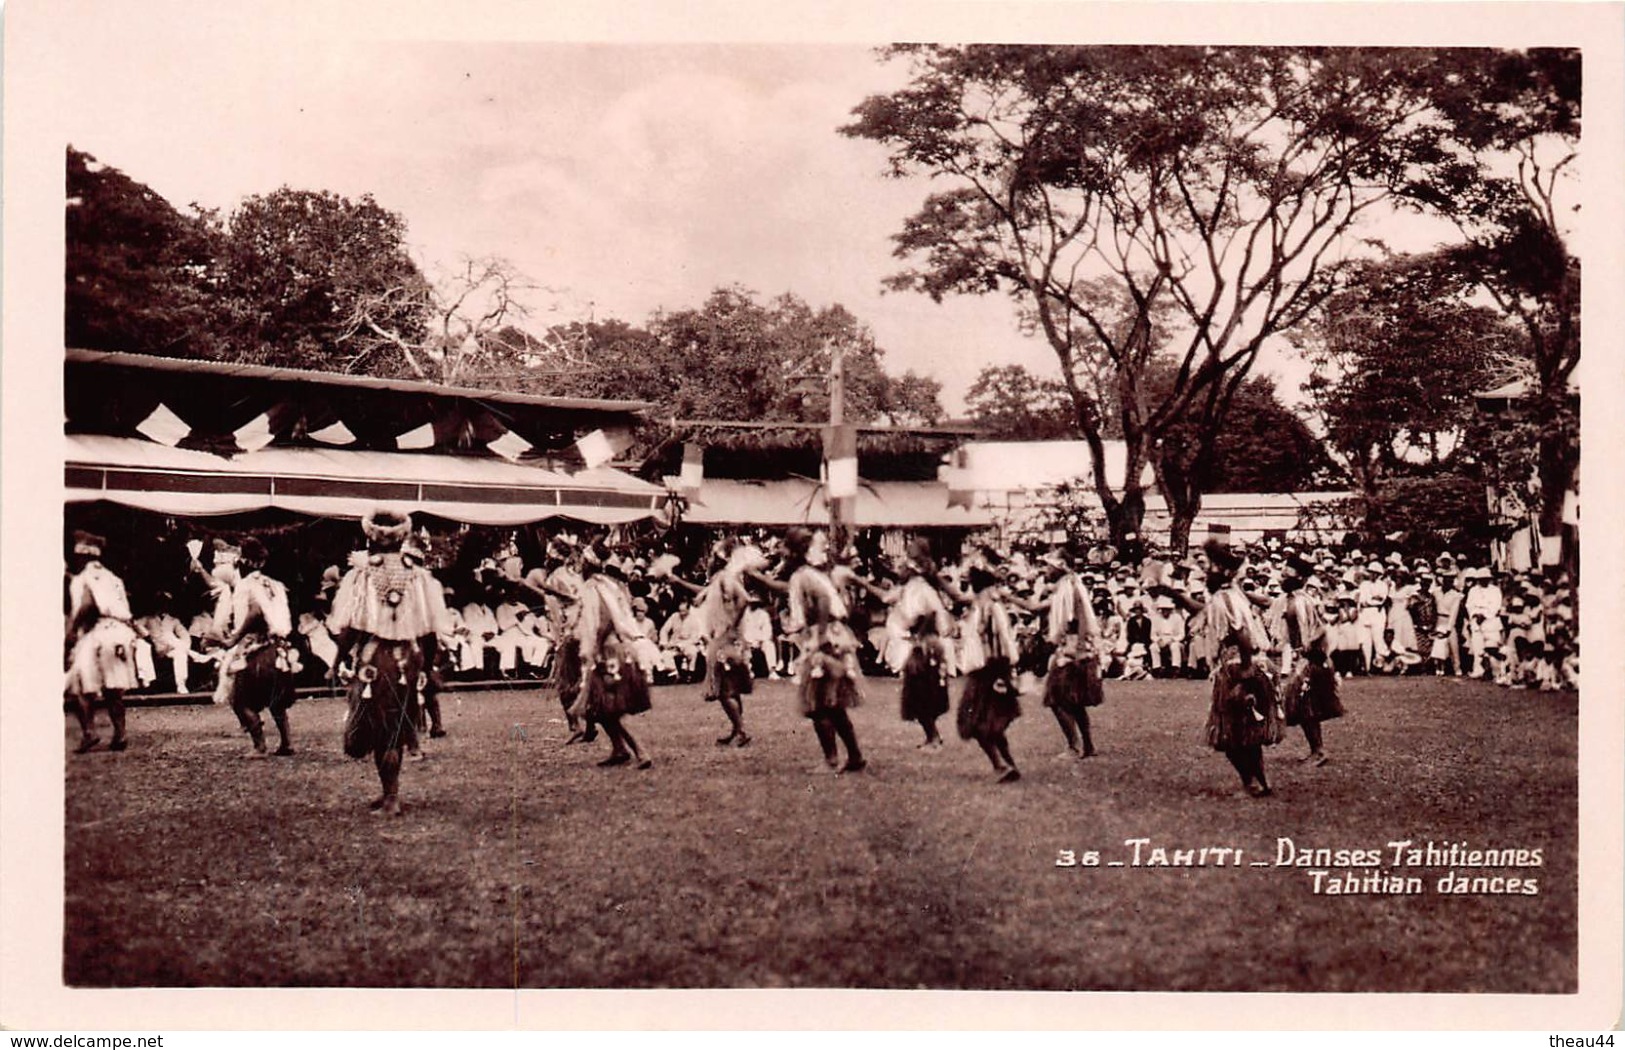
[[631, 176]]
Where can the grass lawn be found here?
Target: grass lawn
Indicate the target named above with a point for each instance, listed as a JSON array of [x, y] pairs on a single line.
[[518, 862]]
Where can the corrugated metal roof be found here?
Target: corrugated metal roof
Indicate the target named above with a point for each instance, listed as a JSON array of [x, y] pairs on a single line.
[[793, 501], [299, 375]]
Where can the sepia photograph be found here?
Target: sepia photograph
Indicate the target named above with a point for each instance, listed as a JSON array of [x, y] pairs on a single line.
[[1020, 506]]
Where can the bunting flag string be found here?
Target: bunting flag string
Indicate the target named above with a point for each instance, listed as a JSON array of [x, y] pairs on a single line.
[[164, 426], [255, 434]]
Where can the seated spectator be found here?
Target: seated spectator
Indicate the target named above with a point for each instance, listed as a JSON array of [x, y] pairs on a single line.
[[1167, 639], [756, 628], [481, 623], [681, 639], [171, 644]]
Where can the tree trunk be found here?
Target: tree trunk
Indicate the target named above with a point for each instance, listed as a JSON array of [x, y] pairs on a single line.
[[1177, 480]]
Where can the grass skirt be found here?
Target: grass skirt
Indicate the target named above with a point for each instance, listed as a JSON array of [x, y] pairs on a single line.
[[266, 681], [827, 681], [1310, 695], [616, 685], [1245, 710], [104, 658], [727, 670], [383, 695], [925, 682], [1073, 686], [990, 702]]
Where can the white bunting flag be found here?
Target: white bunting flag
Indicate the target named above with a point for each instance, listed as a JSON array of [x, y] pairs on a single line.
[[255, 434], [693, 475], [509, 446], [595, 449], [841, 457], [422, 437], [333, 434], [164, 426], [599, 448]]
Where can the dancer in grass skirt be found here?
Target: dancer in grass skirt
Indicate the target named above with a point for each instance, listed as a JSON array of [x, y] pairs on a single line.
[[826, 672], [1244, 714], [389, 612], [616, 658], [100, 641], [1073, 683], [916, 628], [264, 662], [990, 702], [719, 612], [1309, 696]]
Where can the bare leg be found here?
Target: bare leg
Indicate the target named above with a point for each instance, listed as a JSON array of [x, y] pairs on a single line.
[[1069, 729], [280, 716], [115, 712], [388, 761], [826, 740], [85, 712]]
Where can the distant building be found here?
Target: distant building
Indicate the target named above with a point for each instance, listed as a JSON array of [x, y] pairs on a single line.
[[1014, 483]]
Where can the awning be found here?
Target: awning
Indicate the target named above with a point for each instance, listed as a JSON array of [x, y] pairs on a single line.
[[793, 501], [345, 484]]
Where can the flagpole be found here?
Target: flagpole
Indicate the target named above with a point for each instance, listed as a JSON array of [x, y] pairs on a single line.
[[840, 506]]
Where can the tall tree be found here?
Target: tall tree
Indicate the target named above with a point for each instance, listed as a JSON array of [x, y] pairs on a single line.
[[1515, 118], [1220, 182], [295, 269], [134, 266], [1397, 356], [461, 328]]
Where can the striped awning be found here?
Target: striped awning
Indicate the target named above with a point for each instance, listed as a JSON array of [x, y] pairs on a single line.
[[345, 483]]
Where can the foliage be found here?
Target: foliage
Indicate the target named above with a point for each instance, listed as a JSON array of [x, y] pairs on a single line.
[[134, 265], [1009, 403], [1514, 118], [1398, 354], [1101, 185], [736, 358], [293, 270]]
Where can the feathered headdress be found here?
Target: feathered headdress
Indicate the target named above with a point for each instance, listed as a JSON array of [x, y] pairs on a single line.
[[386, 529]]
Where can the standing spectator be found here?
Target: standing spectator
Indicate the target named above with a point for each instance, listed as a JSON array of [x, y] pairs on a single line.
[[1447, 614], [757, 630], [1483, 624], [1372, 595]]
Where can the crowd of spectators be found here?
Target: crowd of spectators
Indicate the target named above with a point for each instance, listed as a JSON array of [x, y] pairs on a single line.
[[1387, 614]]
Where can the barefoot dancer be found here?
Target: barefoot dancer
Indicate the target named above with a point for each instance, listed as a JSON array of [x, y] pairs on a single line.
[[990, 701], [388, 612], [1310, 694], [1245, 714], [826, 671], [101, 642], [1073, 683], [263, 662], [720, 608], [616, 656]]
